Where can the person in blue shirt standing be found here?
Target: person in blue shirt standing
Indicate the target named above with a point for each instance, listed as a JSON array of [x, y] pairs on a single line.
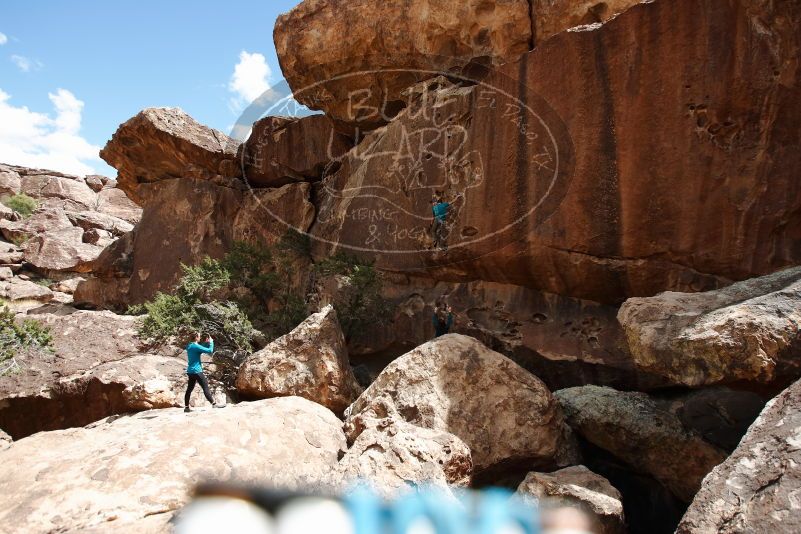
[[194, 370], [440, 215]]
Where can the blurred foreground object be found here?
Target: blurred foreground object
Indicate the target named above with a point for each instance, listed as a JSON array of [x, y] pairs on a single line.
[[219, 508]]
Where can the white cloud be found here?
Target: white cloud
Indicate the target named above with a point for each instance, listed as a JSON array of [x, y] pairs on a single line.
[[3, 38], [249, 79], [26, 64], [34, 139]]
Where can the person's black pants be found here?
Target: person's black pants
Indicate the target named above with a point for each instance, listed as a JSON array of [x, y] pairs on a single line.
[[197, 378]]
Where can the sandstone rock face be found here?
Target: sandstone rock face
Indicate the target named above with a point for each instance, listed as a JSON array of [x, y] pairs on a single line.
[[97, 368], [201, 219], [120, 471], [74, 193], [355, 80], [61, 250], [563, 341], [550, 17], [310, 362], [282, 150], [394, 456], [115, 202], [578, 487], [10, 182], [552, 181], [757, 488], [164, 143], [457, 385], [747, 332], [632, 427]]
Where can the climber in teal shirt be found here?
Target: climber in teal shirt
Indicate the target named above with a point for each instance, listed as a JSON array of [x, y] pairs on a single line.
[[194, 370]]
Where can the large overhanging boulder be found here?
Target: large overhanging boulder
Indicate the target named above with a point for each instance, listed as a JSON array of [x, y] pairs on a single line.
[[311, 362], [455, 384], [757, 488], [118, 473], [163, 143], [390, 44], [651, 440], [556, 185], [745, 333]]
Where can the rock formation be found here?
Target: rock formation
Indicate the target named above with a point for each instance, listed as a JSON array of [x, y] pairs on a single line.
[[163, 143], [554, 184], [270, 156], [117, 472], [310, 362], [747, 332], [359, 80], [577, 487], [163, 153], [72, 222], [632, 427], [455, 384], [757, 488], [394, 456], [97, 368]]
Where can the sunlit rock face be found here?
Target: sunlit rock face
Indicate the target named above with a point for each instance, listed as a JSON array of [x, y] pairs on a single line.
[[641, 164]]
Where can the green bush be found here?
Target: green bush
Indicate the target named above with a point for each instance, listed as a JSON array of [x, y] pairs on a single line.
[[22, 204], [17, 337], [359, 302]]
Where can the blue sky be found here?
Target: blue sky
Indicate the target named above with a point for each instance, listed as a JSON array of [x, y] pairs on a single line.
[[116, 58]]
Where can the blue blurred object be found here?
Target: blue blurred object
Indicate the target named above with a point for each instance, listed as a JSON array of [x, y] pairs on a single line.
[[361, 511]]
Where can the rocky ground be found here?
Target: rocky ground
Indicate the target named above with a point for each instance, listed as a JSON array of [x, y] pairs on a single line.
[[629, 347]]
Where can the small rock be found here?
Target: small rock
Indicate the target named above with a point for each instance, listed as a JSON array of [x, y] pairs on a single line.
[[22, 289], [578, 487], [6, 273]]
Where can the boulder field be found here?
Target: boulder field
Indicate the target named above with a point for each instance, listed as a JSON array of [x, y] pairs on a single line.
[[623, 261]]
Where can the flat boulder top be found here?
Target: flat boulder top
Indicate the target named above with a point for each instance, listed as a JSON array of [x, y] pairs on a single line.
[[128, 468]]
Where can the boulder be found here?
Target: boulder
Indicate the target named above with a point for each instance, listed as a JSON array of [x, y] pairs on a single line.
[[282, 150], [5, 441], [6, 273], [718, 414], [553, 184], [395, 456], [311, 362], [166, 143], [631, 426], [95, 182], [455, 384], [757, 489], [61, 250], [746, 332], [89, 220], [10, 182], [118, 472], [97, 367], [73, 193], [359, 80], [200, 219], [42, 220], [578, 487], [114, 202], [17, 289]]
